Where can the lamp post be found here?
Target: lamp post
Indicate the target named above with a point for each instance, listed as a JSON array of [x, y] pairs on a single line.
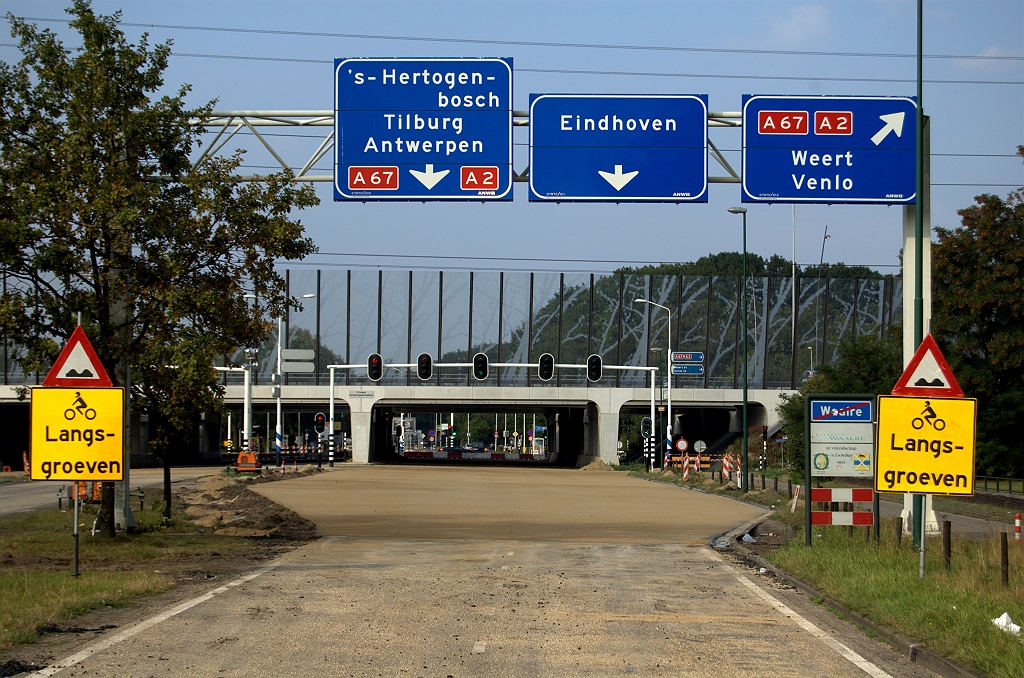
[[745, 465], [811, 349], [817, 293], [668, 358]]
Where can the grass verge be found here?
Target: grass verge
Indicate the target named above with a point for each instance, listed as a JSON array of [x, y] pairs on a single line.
[[36, 586], [951, 612]]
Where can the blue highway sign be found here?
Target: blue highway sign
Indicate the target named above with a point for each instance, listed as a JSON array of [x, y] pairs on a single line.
[[618, 148], [423, 129], [839, 411], [688, 368], [829, 149], [684, 357]]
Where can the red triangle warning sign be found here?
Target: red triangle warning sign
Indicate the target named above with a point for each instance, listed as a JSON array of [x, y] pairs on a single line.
[[77, 364], [928, 374]]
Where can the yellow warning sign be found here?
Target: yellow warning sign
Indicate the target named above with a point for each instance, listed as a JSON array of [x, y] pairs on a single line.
[[76, 433], [926, 445]]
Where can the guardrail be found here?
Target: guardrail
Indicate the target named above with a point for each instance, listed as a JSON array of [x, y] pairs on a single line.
[[999, 485]]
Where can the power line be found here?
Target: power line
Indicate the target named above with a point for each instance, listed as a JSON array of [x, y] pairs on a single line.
[[647, 74], [527, 43]]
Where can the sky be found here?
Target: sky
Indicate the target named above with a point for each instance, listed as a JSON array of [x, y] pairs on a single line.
[[282, 60]]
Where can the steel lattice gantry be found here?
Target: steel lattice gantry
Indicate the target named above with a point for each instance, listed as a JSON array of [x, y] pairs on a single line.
[[224, 125]]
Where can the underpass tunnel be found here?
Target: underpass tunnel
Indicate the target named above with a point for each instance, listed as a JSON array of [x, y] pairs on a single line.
[[496, 432], [714, 426]]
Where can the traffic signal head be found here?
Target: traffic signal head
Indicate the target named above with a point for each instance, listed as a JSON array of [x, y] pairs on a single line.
[[546, 367], [594, 367], [374, 367], [764, 433], [645, 427], [480, 369], [319, 422], [424, 366]]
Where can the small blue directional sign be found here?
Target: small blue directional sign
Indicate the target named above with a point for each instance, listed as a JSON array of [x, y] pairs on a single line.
[[688, 368], [618, 148], [423, 129], [839, 411], [687, 357], [829, 149]]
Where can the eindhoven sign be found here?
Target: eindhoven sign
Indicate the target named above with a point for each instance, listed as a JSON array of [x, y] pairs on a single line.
[[828, 149], [618, 148], [423, 129]]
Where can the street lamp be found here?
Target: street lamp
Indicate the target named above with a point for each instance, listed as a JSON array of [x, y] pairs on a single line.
[[668, 358], [278, 428], [744, 471], [811, 349], [817, 293]]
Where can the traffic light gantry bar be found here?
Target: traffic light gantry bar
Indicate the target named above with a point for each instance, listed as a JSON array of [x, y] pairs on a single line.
[[226, 124]]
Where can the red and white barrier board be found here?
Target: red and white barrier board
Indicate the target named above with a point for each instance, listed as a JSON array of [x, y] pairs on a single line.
[[842, 494]]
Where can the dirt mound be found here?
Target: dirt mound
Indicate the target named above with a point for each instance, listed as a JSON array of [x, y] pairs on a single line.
[[597, 465], [229, 508]]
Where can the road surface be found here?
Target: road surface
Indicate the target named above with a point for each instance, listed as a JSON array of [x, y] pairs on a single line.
[[469, 571]]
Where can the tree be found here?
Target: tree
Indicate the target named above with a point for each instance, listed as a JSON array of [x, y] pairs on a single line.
[[978, 282], [102, 212], [867, 364]]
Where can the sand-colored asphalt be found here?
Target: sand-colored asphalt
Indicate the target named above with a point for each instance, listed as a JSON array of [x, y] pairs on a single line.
[[508, 503]]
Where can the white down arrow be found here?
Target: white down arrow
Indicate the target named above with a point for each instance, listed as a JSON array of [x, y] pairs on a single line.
[[430, 177], [618, 179]]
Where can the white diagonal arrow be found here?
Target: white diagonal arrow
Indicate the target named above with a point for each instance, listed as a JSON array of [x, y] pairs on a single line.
[[893, 123], [618, 179], [430, 177]]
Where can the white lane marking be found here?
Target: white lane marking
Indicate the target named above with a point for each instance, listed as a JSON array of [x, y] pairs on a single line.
[[511, 553], [87, 652], [479, 646], [849, 654]]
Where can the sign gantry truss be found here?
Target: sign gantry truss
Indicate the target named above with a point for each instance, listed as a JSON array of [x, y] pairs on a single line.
[[224, 125]]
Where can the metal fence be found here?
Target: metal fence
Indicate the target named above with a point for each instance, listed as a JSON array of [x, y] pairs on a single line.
[[517, 316]]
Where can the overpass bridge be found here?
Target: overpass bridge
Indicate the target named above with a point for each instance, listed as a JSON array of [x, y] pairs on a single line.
[[584, 422]]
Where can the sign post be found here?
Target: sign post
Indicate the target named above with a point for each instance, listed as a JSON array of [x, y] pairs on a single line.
[[839, 441]]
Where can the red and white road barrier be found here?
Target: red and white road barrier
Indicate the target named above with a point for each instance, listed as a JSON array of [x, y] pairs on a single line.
[[842, 494], [686, 468], [848, 494], [727, 466], [1016, 528]]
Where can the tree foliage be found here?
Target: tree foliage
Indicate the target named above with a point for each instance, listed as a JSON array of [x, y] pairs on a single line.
[[102, 212], [978, 309], [731, 263], [867, 364]]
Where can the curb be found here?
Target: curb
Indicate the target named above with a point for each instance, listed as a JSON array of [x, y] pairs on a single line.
[[916, 652]]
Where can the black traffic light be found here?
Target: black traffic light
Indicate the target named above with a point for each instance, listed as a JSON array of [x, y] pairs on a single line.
[[480, 368], [594, 367], [319, 422], [424, 366], [764, 433], [645, 427], [374, 367], [546, 367]]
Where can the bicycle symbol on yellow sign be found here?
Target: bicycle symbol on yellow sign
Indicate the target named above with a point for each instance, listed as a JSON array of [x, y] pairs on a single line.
[[929, 418], [79, 406]]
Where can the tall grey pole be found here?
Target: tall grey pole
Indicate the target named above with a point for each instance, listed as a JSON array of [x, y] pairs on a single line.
[[793, 291], [744, 467], [746, 463], [919, 514], [330, 436], [278, 429]]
